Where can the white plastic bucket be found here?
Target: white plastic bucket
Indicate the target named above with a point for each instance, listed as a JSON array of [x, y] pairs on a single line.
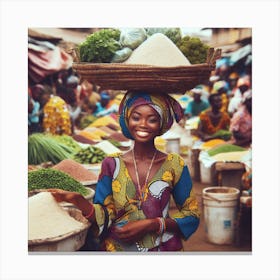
[[220, 213]]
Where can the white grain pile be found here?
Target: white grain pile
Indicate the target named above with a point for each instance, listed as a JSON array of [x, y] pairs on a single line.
[[158, 50], [46, 219]]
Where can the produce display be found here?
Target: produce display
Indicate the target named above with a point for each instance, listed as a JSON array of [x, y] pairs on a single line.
[[49, 178], [211, 144], [231, 156], [67, 140], [100, 46], [194, 49], [44, 148], [89, 155], [75, 170], [223, 134], [85, 121], [46, 219], [225, 148], [158, 50]]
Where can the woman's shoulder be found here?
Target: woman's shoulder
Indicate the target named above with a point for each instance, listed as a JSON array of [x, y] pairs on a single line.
[[175, 159]]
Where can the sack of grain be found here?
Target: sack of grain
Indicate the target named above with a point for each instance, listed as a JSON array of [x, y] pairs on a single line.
[[158, 50]]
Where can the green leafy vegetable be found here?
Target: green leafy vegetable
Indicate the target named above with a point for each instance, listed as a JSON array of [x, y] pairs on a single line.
[[225, 148], [100, 46], [194, 49]]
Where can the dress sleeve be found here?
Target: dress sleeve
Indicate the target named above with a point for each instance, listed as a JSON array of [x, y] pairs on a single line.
[[103, 199], [188, 214]]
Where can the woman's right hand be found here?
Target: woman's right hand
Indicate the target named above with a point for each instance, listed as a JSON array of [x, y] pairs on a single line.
[[75, 198]]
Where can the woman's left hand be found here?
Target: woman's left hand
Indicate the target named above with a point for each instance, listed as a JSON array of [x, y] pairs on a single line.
[[135, 230]]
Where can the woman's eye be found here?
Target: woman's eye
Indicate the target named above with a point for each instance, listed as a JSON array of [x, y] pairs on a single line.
[[153, 120], [135, 118]]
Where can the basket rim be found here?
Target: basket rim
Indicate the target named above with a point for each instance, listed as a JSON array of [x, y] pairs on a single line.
[[86, 225]]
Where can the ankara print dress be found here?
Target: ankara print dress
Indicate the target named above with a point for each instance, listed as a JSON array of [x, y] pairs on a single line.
[[116, 191]]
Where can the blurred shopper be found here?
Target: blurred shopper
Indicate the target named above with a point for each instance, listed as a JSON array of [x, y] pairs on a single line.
[[197, 105], [212, 120], [241, 122]]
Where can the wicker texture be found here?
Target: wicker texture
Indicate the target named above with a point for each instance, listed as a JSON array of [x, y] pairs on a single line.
[[121, 76]]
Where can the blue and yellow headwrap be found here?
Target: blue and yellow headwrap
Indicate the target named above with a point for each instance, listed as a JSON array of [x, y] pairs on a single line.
[[166, 106]]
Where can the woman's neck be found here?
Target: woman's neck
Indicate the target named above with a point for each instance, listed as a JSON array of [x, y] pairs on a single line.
[[144, 150]]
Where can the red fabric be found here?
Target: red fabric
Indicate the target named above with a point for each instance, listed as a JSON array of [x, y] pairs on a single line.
[[44, 63]]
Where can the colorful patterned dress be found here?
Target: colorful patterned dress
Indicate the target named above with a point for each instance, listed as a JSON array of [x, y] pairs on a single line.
[[116, 191], [207, 125]]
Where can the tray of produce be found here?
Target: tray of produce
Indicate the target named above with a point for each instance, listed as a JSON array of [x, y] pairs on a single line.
[[155, 64]]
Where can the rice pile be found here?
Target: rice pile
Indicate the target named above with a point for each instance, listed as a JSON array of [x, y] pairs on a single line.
[[75, 170], [158, 50], [46, 219]]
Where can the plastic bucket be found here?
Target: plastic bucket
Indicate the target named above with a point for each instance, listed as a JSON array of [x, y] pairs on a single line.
[[220, 206]]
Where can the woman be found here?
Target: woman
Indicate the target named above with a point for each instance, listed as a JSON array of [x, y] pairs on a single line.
[[212, 120], [134, 189], [241, 122]]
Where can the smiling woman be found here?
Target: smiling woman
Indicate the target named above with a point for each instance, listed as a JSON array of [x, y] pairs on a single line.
[[131, 204]]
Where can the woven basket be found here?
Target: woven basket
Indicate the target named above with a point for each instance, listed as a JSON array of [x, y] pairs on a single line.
[[121, 76], [76, 214]]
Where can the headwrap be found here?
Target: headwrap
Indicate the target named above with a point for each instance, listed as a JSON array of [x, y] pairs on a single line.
[[165, 105]]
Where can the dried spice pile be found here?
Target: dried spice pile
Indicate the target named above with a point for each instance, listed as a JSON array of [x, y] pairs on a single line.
[[75, 170]]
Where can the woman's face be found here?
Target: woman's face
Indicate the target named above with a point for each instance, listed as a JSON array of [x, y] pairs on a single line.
[[144, 123]]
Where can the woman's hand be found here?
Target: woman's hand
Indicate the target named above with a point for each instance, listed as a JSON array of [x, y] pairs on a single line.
[[75, 198], [135, 230]]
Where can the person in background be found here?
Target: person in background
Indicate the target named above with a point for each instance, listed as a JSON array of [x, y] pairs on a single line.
[[131, 203], [243, 85], [33, 114], [56, 116], [232, 82], [212, 120], [105, 106], [241, 122], [197, 105]]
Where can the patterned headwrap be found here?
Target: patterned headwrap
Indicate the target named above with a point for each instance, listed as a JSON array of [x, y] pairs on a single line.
[[166, 106]]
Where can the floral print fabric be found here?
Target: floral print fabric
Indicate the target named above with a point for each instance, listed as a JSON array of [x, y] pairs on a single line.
[[117, 192]]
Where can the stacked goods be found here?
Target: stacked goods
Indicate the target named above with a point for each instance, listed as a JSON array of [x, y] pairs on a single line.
[[44, 148], [49, 178], [158, 50], [84, 140], [107, 147], [89, 155], [66, 140], [106, 121], [225, 148], [46, 219], [75, 170], [223, 134], [85, 121], [211, 144], [93, 134], [231, 156], [118, 136]]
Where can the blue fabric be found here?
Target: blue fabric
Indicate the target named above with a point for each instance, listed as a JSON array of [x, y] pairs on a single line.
[[181, 190], [103, 189], [188, 225]]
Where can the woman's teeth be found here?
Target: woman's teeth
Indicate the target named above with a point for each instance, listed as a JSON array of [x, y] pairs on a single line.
[[142, 133]]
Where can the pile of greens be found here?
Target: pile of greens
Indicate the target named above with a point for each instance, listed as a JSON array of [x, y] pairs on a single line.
[[194, 49], [225, 148], [49, 178], [100, 46]]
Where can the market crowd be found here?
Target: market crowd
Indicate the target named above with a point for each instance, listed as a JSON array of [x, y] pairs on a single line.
[[223, 105]]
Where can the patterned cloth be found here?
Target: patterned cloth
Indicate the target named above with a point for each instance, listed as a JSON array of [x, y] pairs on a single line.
[[166, 106], [116, 191], [207, 125]]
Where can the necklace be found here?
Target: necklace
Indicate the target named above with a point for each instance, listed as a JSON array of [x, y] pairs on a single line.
[[142, 191]]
